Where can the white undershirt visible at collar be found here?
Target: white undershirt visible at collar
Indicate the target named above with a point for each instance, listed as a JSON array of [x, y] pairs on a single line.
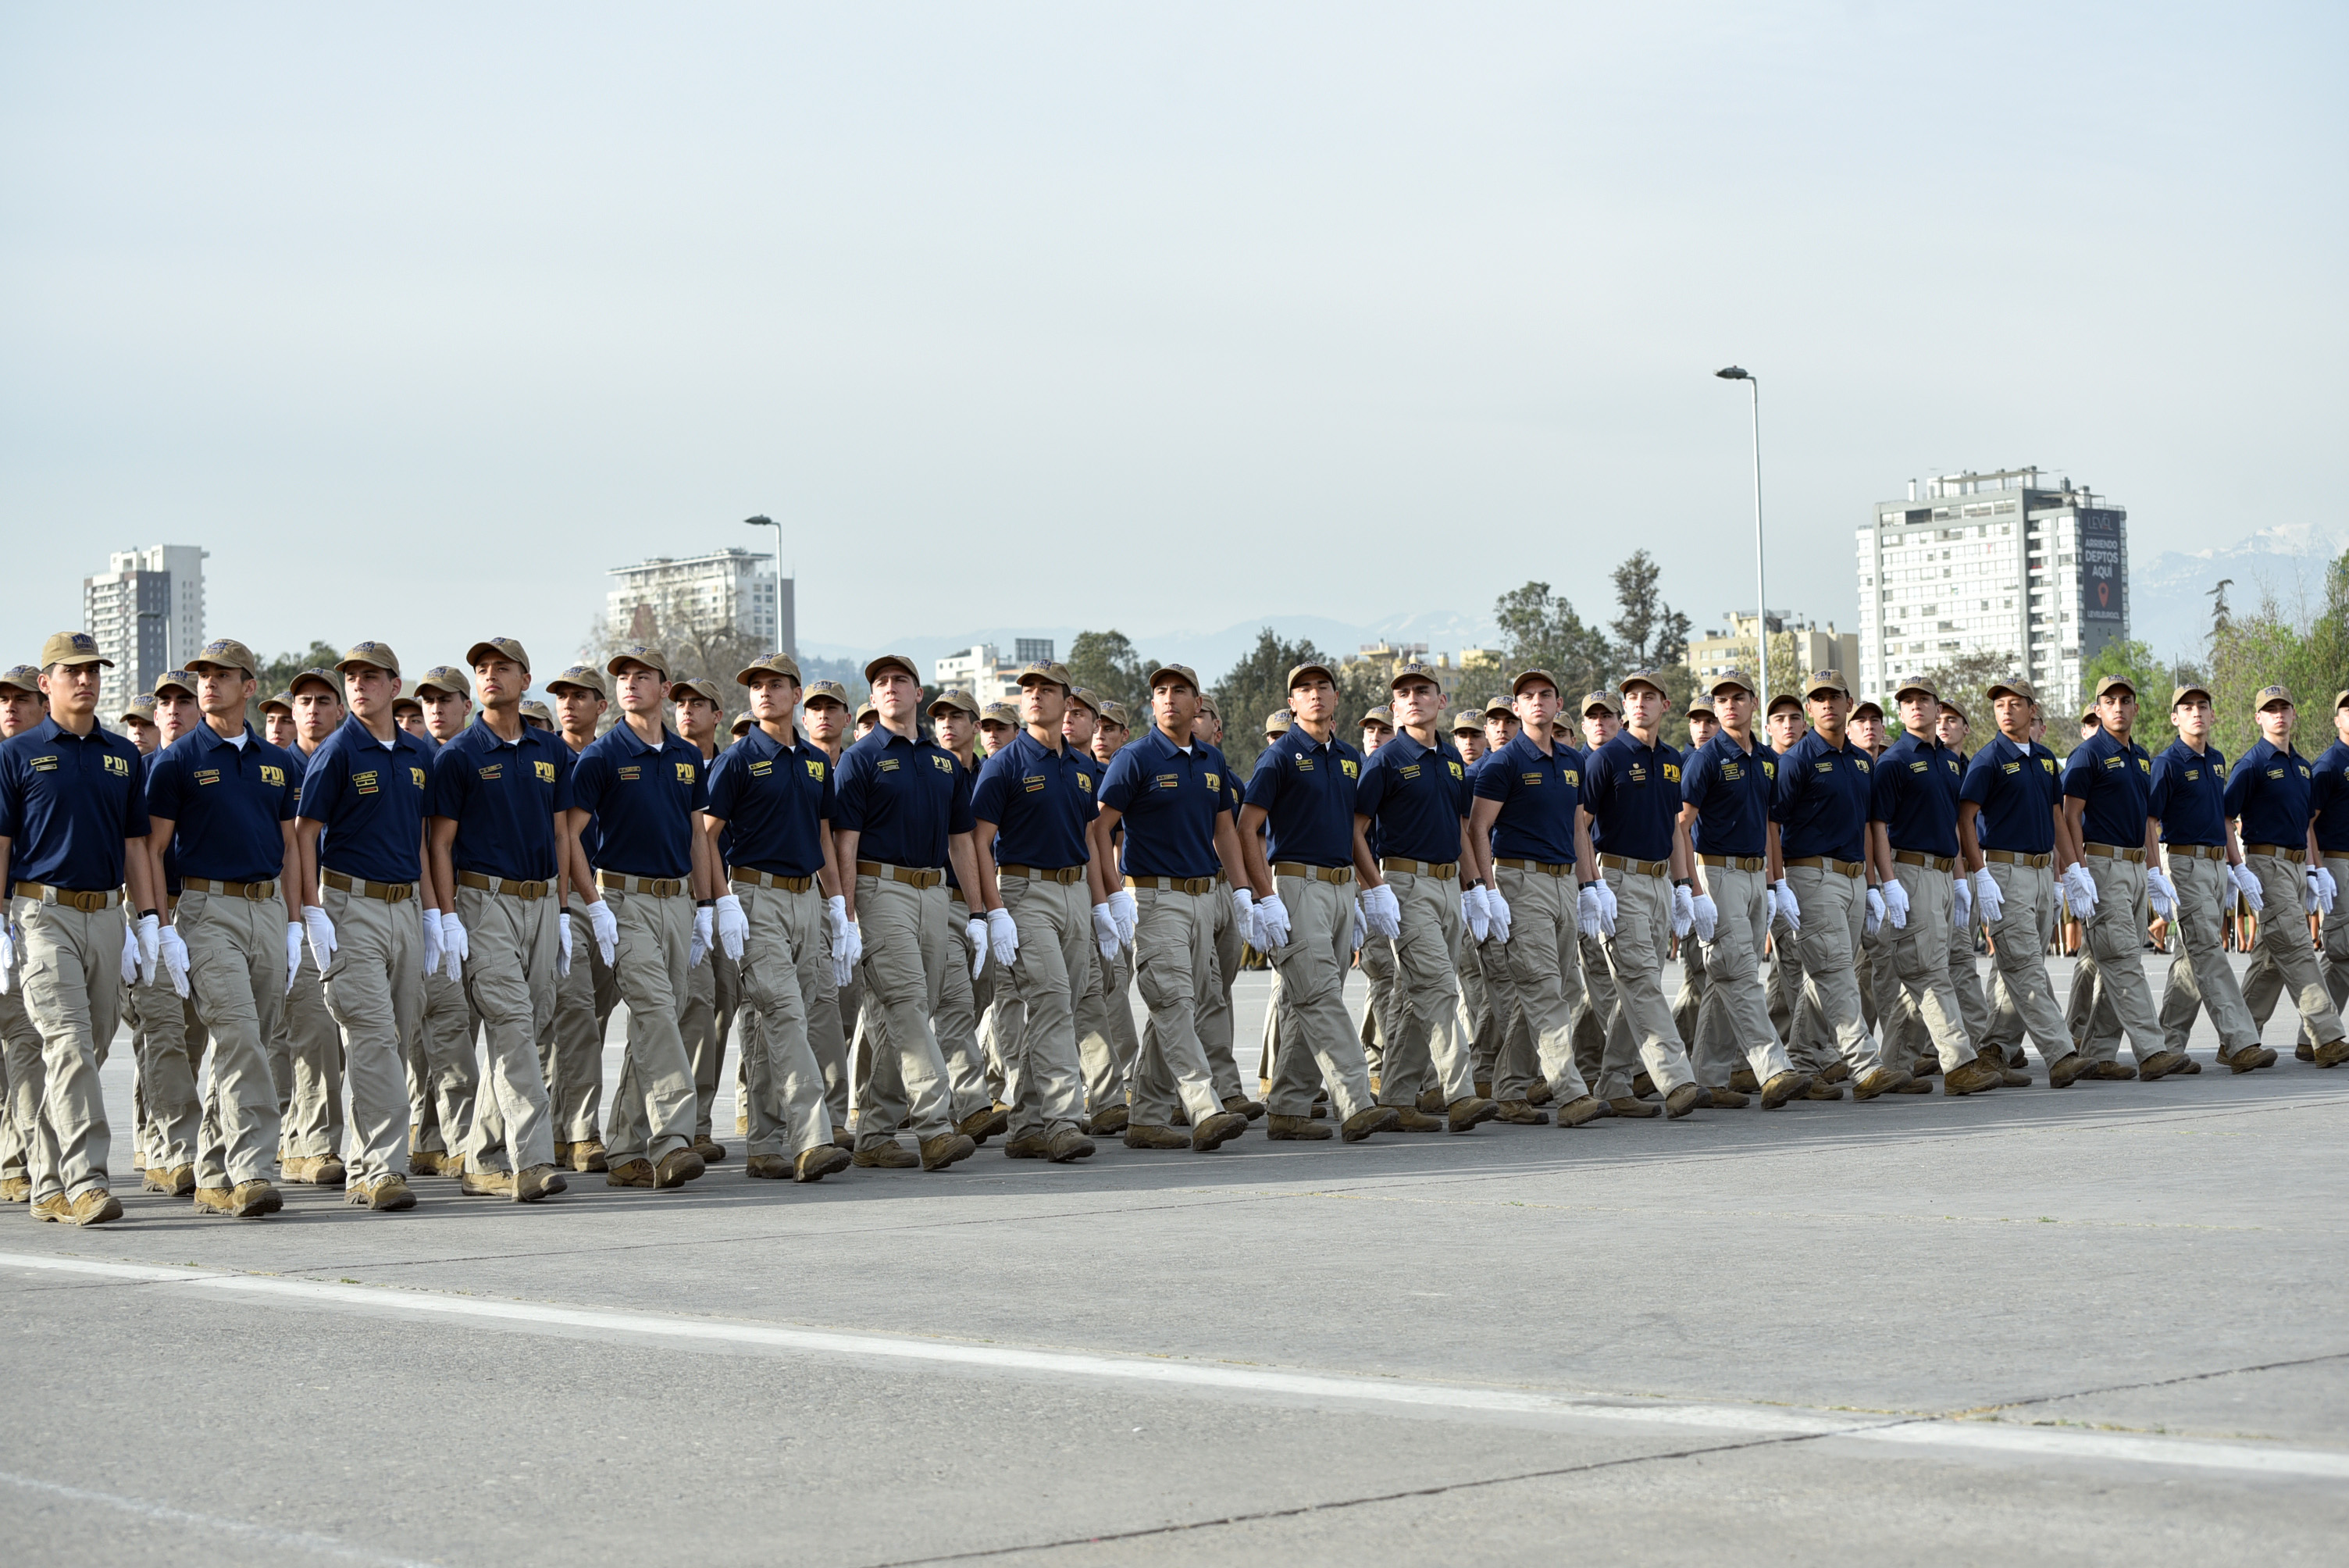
[[237, 739]]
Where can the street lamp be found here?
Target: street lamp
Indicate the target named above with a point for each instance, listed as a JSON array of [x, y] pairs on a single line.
[[1761, 623], [763, 521]]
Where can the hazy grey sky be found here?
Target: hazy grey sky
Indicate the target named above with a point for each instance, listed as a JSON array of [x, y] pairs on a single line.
[[419, 317]]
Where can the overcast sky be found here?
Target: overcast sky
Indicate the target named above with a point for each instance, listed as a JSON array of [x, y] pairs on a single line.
[[419, 317]]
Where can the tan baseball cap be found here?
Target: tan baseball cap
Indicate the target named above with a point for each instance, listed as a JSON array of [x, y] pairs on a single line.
[[406, 698], [1517, 682], [22, 677], [1700, 707], [72, 649], [140, 708], [1825, 680], [1383, 715], [226, 653], [707, 690], [1500, 708], [583, 677], [1278, 721], [652, 658], [1918, 685], [1001, 713], [505, 647], [956, 699], [2015, 685], [380, 655], [824, 691], [867, 709], [1046, 672], [892, 661], [1606, 699], [1467, 720], [741, 725], [2122, 683], [2181, 692], [1415, 670], [2268, 697], [452, 681], [775, 663], [1649, 678], [181, 681], [330, 679], [1298, 672], [1092, 703], [1182, 673], [533, 708], [1865, 708], [1737, 679], [1784, 699], [282, 700], [1113, 712], [1953, 707]]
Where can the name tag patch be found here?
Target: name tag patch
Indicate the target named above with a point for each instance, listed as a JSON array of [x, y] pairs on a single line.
[[367, 783], [627, 773]]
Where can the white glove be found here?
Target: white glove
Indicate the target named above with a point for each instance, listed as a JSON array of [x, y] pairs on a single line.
[[847, 952], [975, 931], [1874, 921], [2319, 891], [606, 927], [1586, 908], [1705, 916], [1790, 908], [321, 929], [2162, 892], [1122, 909], [1361, 931], [1986, 893], [1895, 903], [431, 940], [562, 946], [733, 926], [454, 947], [8, 959], [1961, 902], [1496, 909], [1683, 911], [1271, 924], [2083, 890], [1244, 901], [1606, 907], [1105, 932], [836, 912], [1002, 937], [293, 952], [150, 930], [1382, 913], [129, 956], [174, 954], [2248, 885], [705, 936], [1473, 914]]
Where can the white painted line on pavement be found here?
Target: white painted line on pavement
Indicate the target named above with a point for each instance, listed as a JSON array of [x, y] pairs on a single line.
[[290, 1540], [1977, 1437]]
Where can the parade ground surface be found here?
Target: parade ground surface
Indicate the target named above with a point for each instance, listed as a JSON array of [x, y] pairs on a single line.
[[2100, 1325]]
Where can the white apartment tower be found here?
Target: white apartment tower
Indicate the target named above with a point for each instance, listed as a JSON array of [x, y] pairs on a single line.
[[146, 612], [1991, 563], [729, 587]]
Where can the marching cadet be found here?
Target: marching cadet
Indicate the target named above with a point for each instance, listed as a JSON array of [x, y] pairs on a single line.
[[2187, 800], [825, 713], [1112, 730], [1501, 723], [72, 826], [277, 720], [1171, 791], [1810, 1045], [2328, 804], [1378, 728], [408, 712], [358, 834], [22, 707], [1045, 896], [170, 1036], [444, 1074], [1527, 808], [500, 847], [308, 1049], [1303, 792], [221, 801], [1476, 998], [537, 714], [2267, 795], [646, 789], [1231, 937], [1965, 978], [1879, 986], [1725, 789], [968, 985], [1912, 838], [1427, 881], [1825, 784], [868, 718], [901, 812], [1107, 1044], [571, 1043], [1688, 1002], [744, 723], [2107, 781], [1375, 958], [770, 796], [712, 984], [138, 720], [1644, 895], [1702, 721], [998, 722], [1601, 715]]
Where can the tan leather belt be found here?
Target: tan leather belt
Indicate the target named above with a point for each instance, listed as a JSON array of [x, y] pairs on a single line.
[[2280, 851], [2199, 851], [1192, 885], [1546, 868], [745, 875], [1341, 875], [1420, 867], [87, 902], [258, 892], [1735, 862], [1919, 858], [910, 877], [1223, 880], [388, 892], [1064, 875], [1637, 868], [2121, 852], [2014, 858], [512, 888], [1828, 864]]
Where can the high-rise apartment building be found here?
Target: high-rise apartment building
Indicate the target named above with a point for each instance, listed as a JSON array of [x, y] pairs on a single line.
[[1992, 564], [728, 588], [146, 612], [983, 671]]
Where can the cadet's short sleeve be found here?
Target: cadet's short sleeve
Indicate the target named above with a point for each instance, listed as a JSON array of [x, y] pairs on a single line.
[[1493, 781], [2157, 798], [322, 786], [163, 789], [960, 818], [446, 795], [1884, 792], [2239, 786], [1981, 778], [1598, 778], [991, 791], [824, 807], [2077, 772], [12, 805], [1371, 789], [1788, 791], [590, 775], [720, 804], [1119, 784], [700, 785], [134, 809], [566, 769], [848, 800], [1264, 784], [1461, 795], [1696, 776]]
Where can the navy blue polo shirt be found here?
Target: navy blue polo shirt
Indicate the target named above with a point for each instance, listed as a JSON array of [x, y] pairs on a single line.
[[2190, 795], [1730, 787], [171, 855], [2328, 799], [1041, 800], [591, 836], [371, 798], [225, 803], [1632, 791], [906, 798], [1538, 793], [67, 802], [2017, 790], [2114, 780], [643, 797], [776, 803], [2269, 790], [1167, 800], [1823, 798], [1916, 795], [1306, 789], [1415, 797], [502, 795]]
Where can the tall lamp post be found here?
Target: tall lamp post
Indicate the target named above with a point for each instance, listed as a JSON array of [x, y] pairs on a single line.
[[1761, 621], [763, 521]]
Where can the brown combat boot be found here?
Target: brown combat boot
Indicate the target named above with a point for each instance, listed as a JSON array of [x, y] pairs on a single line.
[[1744, 1081], [2112, 1072], [1108, 1123], [984, 1123], [1463, 1114], [536, 1181], [769, 1167], [1726, 1099], [1783, 1086], [389, 1194], [1411, 1119], [95, 1206], [1296, 1130], [1217, 1130], [1027, 1146], [1686, 1098], [1881, 1080], [1140, 1135], [1632, 1106], [947, 1148], [487, 1184], [712, 1152], [1972, 1078], [1430, 1103], [815, 1164], [1068, 1146], [1370, 1119], [171, 1180], [677, 1167], [1581, 1112], [1240, 1105], [1520, 1113], [629, 1173], [891, 1155]]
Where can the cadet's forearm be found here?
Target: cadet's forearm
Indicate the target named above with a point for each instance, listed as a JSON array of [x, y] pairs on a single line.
[[843, 853], [306, 849], [1970, 855], [287, 867]]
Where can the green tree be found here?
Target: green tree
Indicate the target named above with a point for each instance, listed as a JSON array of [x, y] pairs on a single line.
[[1648, 633], [1540, 630], [1966, 681], [281, 670], [2305, 651], [1255, 687], [1105, 663]]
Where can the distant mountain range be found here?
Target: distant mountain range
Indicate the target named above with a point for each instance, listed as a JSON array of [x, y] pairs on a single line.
[[2169, 596]]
